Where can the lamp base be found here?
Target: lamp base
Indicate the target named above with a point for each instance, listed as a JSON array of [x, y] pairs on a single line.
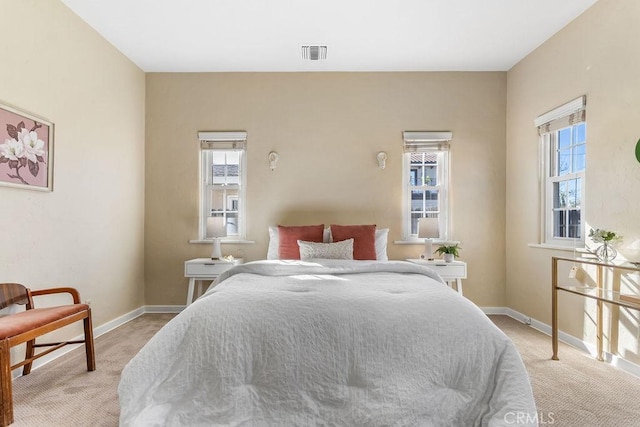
[[216, 252], [428, 249]]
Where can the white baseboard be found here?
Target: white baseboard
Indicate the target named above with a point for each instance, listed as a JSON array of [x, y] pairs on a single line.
[[614, 360], [494, 310], [586, 347], [100, 330], [163, 308], [118, 321]]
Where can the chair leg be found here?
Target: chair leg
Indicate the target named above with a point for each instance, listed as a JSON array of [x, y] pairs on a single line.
[[26, 370], [88, 343], [6, 392]]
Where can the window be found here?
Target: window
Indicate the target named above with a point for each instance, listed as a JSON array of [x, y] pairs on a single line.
[[563, 162], [222, 156], [426, 180]]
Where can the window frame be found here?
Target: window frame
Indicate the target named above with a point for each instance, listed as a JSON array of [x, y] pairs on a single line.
[[222, 142], [428, 143], [550, 141], [567, 116]]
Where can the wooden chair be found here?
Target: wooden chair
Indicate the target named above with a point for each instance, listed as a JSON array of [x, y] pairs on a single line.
[[26, 326]]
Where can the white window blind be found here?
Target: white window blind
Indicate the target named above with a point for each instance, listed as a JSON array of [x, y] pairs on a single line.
[[223, 140], [419, 142], [566, 115]]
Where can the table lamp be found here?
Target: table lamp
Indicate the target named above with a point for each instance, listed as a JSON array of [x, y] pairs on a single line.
[[428, 229], [216, 228]]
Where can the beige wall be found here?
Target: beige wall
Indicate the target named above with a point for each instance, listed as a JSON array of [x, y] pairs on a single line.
[[596, 55], [91, 232], [88, 232], [327, 128]]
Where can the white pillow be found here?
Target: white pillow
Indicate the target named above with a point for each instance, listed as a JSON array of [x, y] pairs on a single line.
[[338, 250], [273, 251], [381, 244]]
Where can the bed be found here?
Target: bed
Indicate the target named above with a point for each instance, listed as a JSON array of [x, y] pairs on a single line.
[[332, 343]]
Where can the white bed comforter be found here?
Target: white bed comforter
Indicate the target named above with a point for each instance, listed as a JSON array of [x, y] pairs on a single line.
[[338, 344]]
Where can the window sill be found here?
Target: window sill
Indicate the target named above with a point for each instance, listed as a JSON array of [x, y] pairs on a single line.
[[225, 242], [580, 249], [436, 242]]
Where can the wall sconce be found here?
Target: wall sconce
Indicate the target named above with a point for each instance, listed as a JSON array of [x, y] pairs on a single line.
[[382, 159], [273, 159]]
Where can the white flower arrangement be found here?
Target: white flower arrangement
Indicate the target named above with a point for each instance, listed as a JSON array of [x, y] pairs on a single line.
[[603, 236]]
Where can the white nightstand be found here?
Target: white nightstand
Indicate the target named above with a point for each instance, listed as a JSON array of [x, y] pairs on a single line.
[[205, 269], [453, 271]]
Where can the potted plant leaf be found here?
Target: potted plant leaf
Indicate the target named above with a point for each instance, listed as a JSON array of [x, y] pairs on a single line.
[[448, 252]]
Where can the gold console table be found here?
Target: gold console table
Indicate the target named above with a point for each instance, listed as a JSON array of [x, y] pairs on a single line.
[[598, 293]]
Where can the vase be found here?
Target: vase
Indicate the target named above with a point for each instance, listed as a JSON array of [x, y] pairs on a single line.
[[606, 252], [448, 257]]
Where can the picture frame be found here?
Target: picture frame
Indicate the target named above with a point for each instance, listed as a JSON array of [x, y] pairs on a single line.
[[26, 150]]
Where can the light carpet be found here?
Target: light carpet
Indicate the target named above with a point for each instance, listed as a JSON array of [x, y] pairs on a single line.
[[63, 393], [575, 391]]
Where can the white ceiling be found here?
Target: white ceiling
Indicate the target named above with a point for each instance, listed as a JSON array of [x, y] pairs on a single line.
[[361, 35]]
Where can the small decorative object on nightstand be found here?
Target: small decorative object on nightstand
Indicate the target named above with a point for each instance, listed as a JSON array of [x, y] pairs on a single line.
[[450, 272], [205, 269], [449, 252]]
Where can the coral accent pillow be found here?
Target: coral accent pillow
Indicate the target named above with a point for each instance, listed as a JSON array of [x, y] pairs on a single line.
[[289, 236], [364, 239], [273, 251]]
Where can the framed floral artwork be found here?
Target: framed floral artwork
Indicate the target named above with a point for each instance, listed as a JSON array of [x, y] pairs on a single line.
[[26, 150]]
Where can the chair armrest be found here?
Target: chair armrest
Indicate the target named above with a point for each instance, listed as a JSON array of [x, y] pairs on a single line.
[[74, 293]]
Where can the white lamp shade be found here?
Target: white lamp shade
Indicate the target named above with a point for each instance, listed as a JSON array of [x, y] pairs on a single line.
[[216, 227], [428, 228]]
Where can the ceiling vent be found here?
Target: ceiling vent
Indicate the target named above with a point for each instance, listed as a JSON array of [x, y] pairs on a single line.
[[314, 53]]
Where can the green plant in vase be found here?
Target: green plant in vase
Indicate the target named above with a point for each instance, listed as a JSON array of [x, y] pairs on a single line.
[[604, 252], [448, 252]]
